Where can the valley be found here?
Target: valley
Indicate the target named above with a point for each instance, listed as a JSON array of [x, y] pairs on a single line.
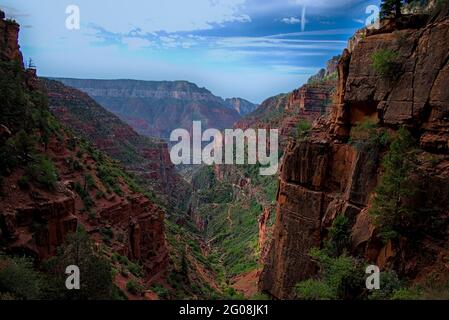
[[363, 180]]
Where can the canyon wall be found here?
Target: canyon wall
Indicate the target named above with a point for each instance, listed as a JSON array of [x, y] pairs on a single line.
[[9, 44], [324, 175], [147, 158], [50, 178], [156, 108]]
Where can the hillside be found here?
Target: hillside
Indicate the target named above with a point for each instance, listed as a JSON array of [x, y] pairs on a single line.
[[147, 158], [288, 112], [56, 191], [154, 108]]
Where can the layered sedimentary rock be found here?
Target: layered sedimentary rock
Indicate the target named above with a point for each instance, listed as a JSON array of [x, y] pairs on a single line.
[[285, 111], [155, 109], [45, 194], [147, 158], [324, 176], [242, 106], [9, 35]]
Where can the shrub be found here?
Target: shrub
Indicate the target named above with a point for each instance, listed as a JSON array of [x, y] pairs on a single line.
[[385, 63], [406, 294], [135, 269], [134, 287], [368, 137], [340, 278], [24, 145], [389, 286], [107, 234], [160, 291], [19, 279], [43, 171], [303, 128], [90, 182], [96, 271], [74, 165], [339, 236], [315, 290], [99, 195]]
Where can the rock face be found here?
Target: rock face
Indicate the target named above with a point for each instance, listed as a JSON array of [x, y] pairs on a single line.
[[155, 109], [9, 35], [148, 158], [323, 175], [265, 234], [285, 111], [242, 106]]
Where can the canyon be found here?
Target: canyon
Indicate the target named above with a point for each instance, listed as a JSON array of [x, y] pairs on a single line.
[[155, 109], [91, 154]]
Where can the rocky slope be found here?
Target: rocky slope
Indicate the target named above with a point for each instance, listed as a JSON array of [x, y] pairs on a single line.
[[154, 108], [325, 176], [50, 178], [147, 158], [242, 106], [285, 111]]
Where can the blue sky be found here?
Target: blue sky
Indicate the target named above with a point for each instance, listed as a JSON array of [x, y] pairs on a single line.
[[236, 48]]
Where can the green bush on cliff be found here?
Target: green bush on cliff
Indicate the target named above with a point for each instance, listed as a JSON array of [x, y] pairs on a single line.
[[385, 63], [302, 129], [367, 136], [43, 171], [339, 236], [339, 278]]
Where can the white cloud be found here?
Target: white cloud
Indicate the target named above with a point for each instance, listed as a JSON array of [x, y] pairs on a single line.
[[291, 20]]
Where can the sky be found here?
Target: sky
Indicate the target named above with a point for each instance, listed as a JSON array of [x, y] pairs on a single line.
[[251, 49]]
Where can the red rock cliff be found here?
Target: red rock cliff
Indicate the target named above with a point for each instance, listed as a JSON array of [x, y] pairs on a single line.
[[323, 175]]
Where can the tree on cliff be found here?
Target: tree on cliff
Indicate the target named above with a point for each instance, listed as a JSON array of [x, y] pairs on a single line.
[[392, 8], [95, 271], [392, 209]]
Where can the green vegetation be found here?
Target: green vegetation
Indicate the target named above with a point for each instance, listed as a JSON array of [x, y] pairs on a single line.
[[132, 267], [340, 278], [367, 136], [161, 292], [96, 271], [391, 210], [302, 129], [19, 280], [390, 287], [392, 8], [42, 171], [385, 63], [339, 236], [134, 287]]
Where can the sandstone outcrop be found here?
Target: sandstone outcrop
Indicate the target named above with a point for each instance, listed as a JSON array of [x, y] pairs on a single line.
[[9, 44], [323, 175]]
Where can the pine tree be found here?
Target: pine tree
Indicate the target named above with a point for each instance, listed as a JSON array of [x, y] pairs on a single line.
[[390, 209], [392, 7], [95, 271]]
